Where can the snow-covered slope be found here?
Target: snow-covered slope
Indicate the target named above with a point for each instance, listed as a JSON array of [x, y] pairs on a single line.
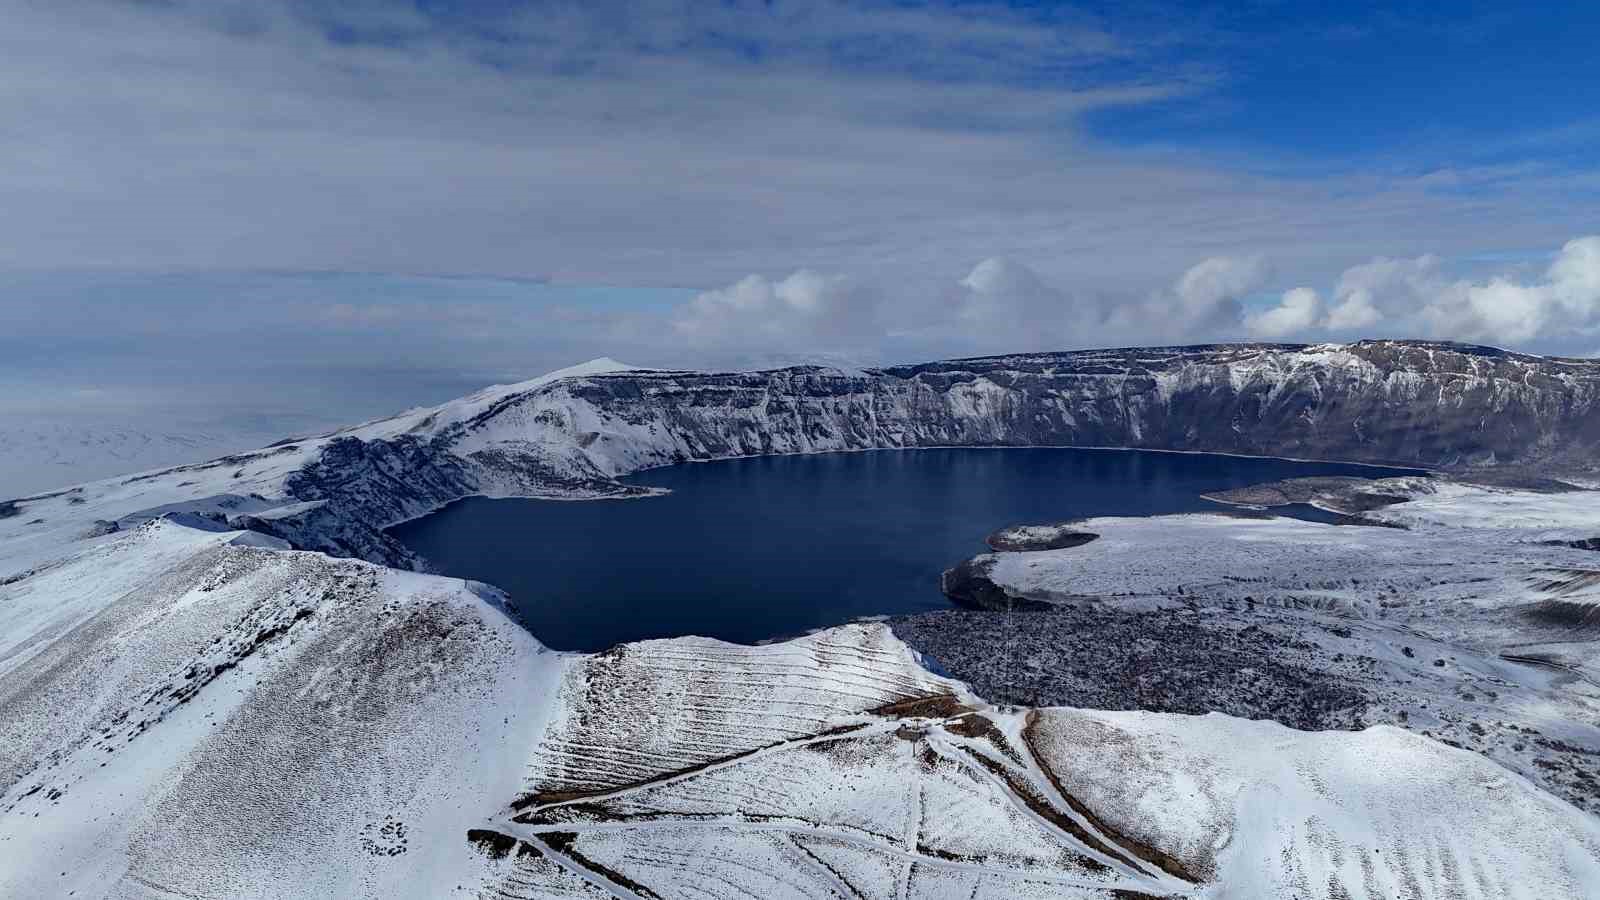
[[39, 453], [1266, 811], [192, 703], [1478, 624], [833, 766], [193, 713]]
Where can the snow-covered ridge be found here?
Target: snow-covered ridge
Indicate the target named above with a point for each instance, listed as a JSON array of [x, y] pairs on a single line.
[[188, 715], [833, 766], [571, 433], [190, 708]]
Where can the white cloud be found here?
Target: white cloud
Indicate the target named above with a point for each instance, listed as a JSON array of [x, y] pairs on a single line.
[[1006, 305], [1417, 296], [1295, 313], [1008, 281], [1002, 305], [1353, 312], [1499, 311], [1217, 280], [802, 311], [1002, 299], [1575, 277]]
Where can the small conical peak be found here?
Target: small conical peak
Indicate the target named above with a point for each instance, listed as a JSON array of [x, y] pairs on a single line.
[[597, 366]]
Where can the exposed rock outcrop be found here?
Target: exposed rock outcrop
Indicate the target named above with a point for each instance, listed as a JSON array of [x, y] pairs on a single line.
[[572, 434], [1403, 403]]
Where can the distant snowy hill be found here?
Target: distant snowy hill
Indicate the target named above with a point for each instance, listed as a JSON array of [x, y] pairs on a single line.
[[39, 454]]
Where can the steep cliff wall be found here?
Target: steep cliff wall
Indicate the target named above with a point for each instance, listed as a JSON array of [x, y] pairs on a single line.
[[1407, 403], [572, 433]]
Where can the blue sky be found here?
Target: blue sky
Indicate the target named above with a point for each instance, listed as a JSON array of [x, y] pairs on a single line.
[[1339, 84], [1358, 84], [501, 188]]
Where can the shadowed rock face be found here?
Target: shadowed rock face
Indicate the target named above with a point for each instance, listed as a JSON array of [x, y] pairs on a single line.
[[1176, 660], [1024, 538], [1345, 494], [1435, 405], [1406, 403], [1584, 544], [968, 585]]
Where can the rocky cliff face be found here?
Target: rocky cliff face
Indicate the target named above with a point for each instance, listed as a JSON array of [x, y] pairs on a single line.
[[1406, 403], [570, 434], [1433, 405]]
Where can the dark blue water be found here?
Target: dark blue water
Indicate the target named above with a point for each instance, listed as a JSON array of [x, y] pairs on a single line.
[[751, 549]]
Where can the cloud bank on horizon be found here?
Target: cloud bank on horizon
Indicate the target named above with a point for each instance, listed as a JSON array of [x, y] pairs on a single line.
[[1003, 305], [762, 182]]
